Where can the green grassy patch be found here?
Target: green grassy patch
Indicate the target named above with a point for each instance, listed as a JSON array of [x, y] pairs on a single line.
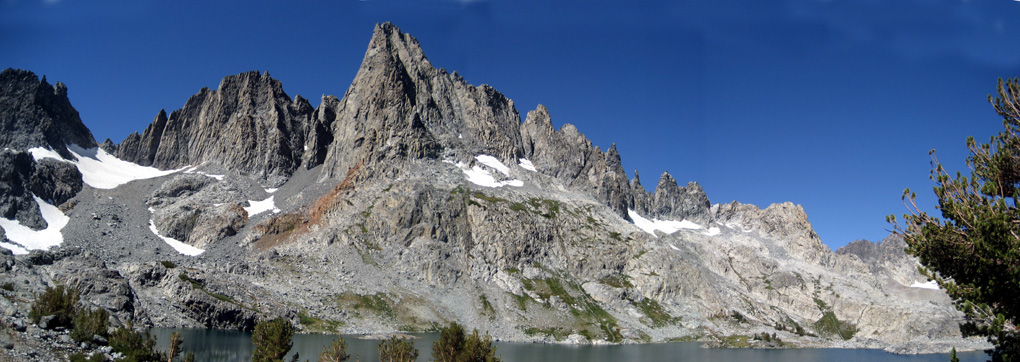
[[486, 306], [317, 324], [735, 341], [830, 325], [588, 315], [657, 316], [617, 281], [377, 303], [479, 195], [555, 333], [521, 301]]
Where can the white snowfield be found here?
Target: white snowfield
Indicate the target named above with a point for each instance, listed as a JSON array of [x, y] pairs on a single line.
[[176, 244], [258, 207], [666, 226], [25, 238], [481, 177], [494, 163], [931, 284], [99, 169], [527, 165]]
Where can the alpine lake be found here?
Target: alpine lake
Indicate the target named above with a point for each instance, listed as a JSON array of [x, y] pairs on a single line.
[[235, 346]]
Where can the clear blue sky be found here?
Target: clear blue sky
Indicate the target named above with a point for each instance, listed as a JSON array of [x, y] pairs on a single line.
[[829, 104]]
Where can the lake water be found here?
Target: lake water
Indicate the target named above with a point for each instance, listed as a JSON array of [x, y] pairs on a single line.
[[234, 346]]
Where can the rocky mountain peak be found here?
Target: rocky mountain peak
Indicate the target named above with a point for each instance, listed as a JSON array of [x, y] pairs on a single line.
[[248, 124], [401, 107], [34, 113]]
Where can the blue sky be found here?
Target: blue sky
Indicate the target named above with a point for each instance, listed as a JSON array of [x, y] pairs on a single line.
[[829, 104]]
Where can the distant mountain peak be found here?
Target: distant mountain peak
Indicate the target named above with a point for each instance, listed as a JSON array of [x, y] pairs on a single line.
[[34, 113]]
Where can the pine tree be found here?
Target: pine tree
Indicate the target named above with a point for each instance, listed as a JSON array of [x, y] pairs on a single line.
[[973, 251], [335, 352], [272, 340], [454, 346], [396, 349]]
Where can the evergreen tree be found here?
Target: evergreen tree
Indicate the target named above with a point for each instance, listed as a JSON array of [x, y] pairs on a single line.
[[335, 352], [272, 340], [973, 251], [449, 344], [454, 346], [396, 349], [175, 346], [135, 346]]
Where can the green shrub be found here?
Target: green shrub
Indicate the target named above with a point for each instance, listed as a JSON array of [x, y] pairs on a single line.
[[90, 322], [168, 264], [336, 351], [272, 340], [8, 286], [135, 346], [59, 302], [454, 346], [396, 349]]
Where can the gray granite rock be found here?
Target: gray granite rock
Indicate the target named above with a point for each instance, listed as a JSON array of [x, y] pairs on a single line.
[[34, 113], [247, 124]]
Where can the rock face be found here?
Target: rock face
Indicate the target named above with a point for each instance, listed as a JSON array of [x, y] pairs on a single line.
[[34, 113], [248, 124], [196, 210], [400, 107], [21, 178]]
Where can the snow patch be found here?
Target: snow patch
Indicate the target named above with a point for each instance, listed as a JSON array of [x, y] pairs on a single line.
[[258, 207], [931, 284], [272, 190], [735, 226], [481, 177], [192, 170], [174, 243], [25, 238], [712, 231], [666, 226], [494, 163], [527, 165], [99, 169]]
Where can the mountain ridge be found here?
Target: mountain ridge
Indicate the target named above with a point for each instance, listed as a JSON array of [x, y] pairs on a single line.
[[431, 198]]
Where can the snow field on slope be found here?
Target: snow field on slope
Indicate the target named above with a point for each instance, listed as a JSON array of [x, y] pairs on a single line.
[[258, 207], [99, 169], [527, 165], [931, 284], [481, 177], [494, 163], [29, 239], [668, 226], [178, 245]]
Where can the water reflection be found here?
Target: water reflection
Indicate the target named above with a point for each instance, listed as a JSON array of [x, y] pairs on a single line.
[[235, 346]]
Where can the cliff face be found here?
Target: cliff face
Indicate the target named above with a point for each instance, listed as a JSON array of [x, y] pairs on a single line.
[[34, 113], [418, 199], [247, 124], [400, 107]]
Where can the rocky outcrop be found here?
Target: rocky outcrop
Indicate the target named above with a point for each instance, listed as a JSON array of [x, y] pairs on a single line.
[[248, 124], [21, 178], [786, 223], [34, 113], [569, 156], [197, 210], [400, 107]]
